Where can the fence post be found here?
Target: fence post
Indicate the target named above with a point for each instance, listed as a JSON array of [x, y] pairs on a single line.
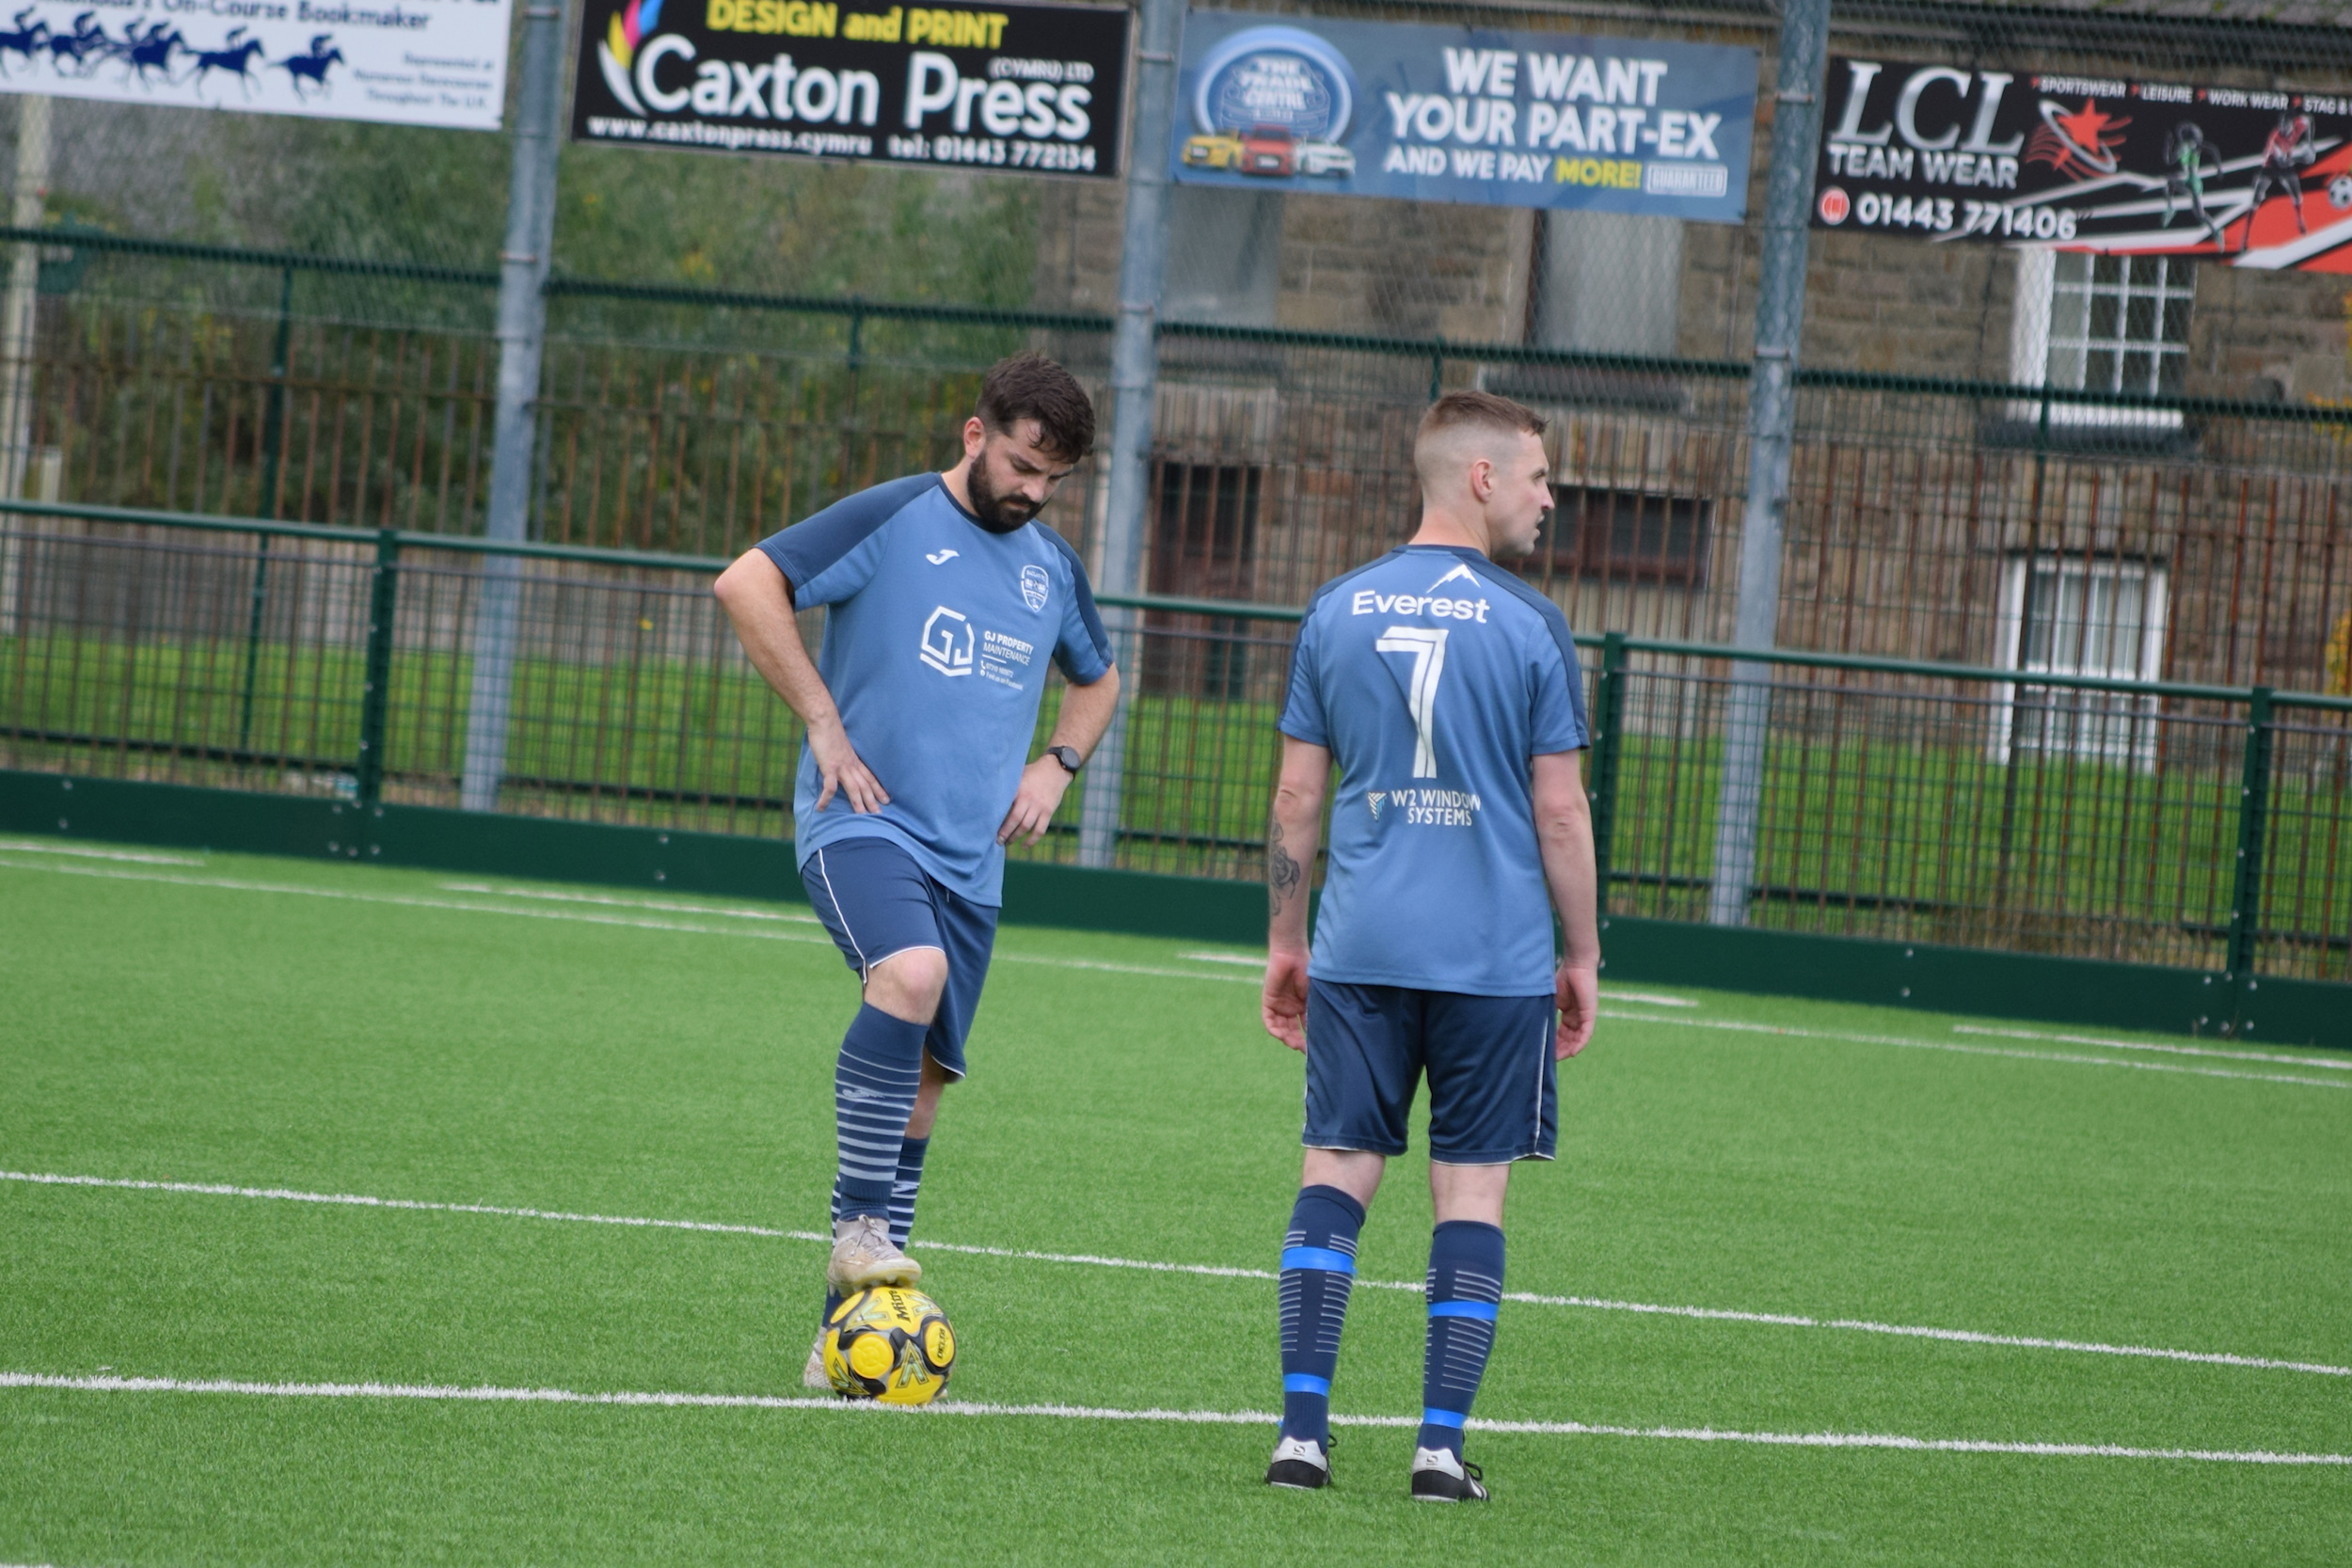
[[273, 458], [1772, 428], [17, 320], [376, 696], [1608, 757], [2245, 895], [522, 338], [1134, 376]]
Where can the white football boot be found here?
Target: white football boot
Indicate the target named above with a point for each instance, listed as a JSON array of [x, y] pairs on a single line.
[[1440, 1478], [1299, 1464], [864, 1256]]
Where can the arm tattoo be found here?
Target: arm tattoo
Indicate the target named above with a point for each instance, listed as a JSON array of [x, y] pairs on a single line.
[[1281, 872]]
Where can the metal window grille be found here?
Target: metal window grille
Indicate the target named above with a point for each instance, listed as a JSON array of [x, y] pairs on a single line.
[[2118, 323]]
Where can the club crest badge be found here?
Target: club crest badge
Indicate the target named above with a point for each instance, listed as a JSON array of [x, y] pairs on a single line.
[[1034, 585]]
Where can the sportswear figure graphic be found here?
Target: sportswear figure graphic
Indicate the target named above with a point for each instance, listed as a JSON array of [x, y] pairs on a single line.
[[2184, 154], [1446, 691], [2289, 150], [944, 598]]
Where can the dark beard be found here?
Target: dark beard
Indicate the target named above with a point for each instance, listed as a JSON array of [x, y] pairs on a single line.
[[994, 512]]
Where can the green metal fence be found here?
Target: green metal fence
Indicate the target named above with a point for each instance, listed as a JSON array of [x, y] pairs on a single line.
[[2165, 823]]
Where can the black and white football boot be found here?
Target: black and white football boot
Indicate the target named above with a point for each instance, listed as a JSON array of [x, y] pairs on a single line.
[[1438, 1477], [1299, 1464]]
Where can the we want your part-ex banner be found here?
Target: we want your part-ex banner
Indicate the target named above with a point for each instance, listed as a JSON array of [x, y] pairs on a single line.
[[1464, 114], [2254, 177], [1039, 88]]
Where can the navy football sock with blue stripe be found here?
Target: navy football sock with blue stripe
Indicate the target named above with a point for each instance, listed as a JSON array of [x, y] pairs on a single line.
[[1318, 1271], [873, 1094], [903, 1188], [1465, 1294]]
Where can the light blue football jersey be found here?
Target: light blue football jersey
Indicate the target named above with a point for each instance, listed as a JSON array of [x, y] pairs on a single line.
[[1434, 676], [936, 637]]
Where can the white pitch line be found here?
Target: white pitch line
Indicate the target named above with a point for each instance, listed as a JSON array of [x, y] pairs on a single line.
[[29, 847], [730, 913], [484, 1394], [404, 901], [1913, 1044], [2145, 1045], [1213, 1271]]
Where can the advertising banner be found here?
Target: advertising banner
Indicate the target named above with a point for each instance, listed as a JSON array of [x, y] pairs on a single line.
[[2250, 177], [403, 62], [1464, 114], [1036, 89]]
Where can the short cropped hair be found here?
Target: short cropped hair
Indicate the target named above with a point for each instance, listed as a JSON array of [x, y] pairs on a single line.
[[1465, 414], [1478, 410], [1028, 385]]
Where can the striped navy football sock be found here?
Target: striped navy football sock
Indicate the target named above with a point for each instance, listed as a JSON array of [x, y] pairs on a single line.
[[1465, 1295], [1318, 1271], [904, 1186], [873, 1094]]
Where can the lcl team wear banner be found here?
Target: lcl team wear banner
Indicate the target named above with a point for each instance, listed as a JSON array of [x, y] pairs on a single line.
[[1464, 114], [404, 62], [2253, 178], [1036, 88]]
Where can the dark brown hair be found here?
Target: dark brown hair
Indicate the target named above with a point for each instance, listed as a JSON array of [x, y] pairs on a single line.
[[1028, 385], [1501, 415]]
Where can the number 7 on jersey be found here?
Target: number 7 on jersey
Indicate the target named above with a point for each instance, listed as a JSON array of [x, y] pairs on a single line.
[[1427, 647]]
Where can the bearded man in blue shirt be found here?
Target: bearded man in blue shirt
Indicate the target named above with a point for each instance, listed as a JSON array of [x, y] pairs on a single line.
[[944, 597], [1446, 691]]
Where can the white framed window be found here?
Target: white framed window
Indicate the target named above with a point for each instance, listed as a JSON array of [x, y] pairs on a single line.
[[2080, 618], [2102, 323]]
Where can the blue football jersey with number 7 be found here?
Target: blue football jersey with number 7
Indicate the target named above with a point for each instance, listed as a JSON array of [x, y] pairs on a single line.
[[1434, 676]]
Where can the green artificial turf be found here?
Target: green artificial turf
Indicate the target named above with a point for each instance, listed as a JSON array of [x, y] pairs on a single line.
[[618, 1059]]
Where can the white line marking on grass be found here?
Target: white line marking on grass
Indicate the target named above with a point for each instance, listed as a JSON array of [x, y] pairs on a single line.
[[581, 917], [1610, 993], [30, 847], [736, 913], [1253, 962], [2144, 1045], [1213, 1271], [483, 1394], [1913, 1044]]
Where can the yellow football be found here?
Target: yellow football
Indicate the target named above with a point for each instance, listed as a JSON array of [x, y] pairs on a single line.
[[889, 1344]]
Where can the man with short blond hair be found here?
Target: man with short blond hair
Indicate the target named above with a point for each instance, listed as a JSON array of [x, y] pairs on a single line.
[[1446, 691], [946, 598]]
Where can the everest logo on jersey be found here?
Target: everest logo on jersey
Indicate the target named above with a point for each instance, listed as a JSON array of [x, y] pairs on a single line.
[[948, 641], [1461, 573], [1034, 585]]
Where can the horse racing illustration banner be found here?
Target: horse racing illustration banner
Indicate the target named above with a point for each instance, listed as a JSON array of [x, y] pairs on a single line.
[[2252, 177], [1464, 114], [1031, 88], [404, 62]]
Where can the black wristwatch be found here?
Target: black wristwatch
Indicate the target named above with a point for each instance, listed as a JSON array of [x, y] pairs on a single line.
[[1067, 755]]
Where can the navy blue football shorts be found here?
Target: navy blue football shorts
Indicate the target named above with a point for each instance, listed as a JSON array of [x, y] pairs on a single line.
[[1488, 1059], [876, 901]]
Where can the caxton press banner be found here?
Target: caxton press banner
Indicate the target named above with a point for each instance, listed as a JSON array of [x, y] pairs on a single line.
[[1018, 88], [1464, 114], [2255, 178]]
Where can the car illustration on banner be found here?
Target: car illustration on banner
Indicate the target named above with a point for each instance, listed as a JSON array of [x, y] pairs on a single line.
[[1218, 153], [1273, 103]]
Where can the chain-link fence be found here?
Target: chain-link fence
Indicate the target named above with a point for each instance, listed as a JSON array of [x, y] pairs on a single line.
[[2079, 815], [2075, 475]]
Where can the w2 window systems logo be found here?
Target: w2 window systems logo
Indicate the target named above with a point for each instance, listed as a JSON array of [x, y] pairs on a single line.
[[948, 643]]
